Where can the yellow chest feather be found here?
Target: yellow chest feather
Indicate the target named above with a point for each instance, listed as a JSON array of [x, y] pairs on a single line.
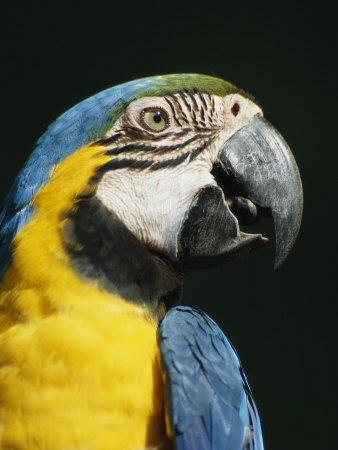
[[81, 378], [78, 365]]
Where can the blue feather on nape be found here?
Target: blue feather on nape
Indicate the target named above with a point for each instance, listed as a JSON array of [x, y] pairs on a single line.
[[207, 396]]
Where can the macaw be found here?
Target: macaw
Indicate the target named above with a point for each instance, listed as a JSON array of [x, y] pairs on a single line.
[[123, 194]]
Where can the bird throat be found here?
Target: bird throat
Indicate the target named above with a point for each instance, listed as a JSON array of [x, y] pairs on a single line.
[[81, 248], [101, 248]]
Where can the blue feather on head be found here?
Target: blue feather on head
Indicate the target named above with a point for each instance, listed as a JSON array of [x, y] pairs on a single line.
[[75, 128]]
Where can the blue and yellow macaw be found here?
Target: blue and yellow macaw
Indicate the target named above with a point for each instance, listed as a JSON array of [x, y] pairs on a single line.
[[122, 194]]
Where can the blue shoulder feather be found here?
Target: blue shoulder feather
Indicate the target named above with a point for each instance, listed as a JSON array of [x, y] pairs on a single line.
[[208, 399]]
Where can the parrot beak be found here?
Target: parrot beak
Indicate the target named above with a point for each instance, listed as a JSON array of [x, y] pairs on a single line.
[[261, 162], [256, 176]]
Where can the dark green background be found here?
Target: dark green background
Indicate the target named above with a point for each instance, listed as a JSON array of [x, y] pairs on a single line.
[[283, 324]]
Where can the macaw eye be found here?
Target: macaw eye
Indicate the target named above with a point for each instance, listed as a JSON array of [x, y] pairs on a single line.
[[156, 119]]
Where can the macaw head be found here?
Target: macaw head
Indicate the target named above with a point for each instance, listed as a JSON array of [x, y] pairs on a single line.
[[178, 164]]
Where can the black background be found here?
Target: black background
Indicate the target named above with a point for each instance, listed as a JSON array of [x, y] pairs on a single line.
[[284, 323]]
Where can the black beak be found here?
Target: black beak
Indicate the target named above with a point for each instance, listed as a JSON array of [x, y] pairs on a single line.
[[261, 162], [256, 174]]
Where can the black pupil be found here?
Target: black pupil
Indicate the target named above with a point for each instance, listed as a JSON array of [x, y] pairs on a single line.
[[158, 117]]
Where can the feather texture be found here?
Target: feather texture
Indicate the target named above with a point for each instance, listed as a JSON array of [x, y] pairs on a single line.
[[208, 400], [85, 122], [88, 243]]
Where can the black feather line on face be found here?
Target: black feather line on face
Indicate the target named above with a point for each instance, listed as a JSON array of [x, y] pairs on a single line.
[[184, 98], [130, 148], [133, 164], [192, 98], [202, 115], [137, 136], [178, 103], [203, 101], [153, 149], [195, 153], [213, 107], [170, 162], [107, 141], [173, 111], [124, 163], [194, 117], [141, 164]]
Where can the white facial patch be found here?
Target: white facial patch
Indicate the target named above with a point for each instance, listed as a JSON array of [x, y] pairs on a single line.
[[152, 203]]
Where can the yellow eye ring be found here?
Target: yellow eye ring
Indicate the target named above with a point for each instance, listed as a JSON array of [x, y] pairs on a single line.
[[155, 119]]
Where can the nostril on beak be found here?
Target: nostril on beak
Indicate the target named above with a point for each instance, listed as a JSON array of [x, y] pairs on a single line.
[[235, 109]]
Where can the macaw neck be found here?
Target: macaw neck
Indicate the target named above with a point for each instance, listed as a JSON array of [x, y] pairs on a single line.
[[77, 248], [69, 339], [101, 248], [69, 345]]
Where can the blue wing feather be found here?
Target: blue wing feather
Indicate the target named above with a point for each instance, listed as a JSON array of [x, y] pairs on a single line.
[[208, 399]]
